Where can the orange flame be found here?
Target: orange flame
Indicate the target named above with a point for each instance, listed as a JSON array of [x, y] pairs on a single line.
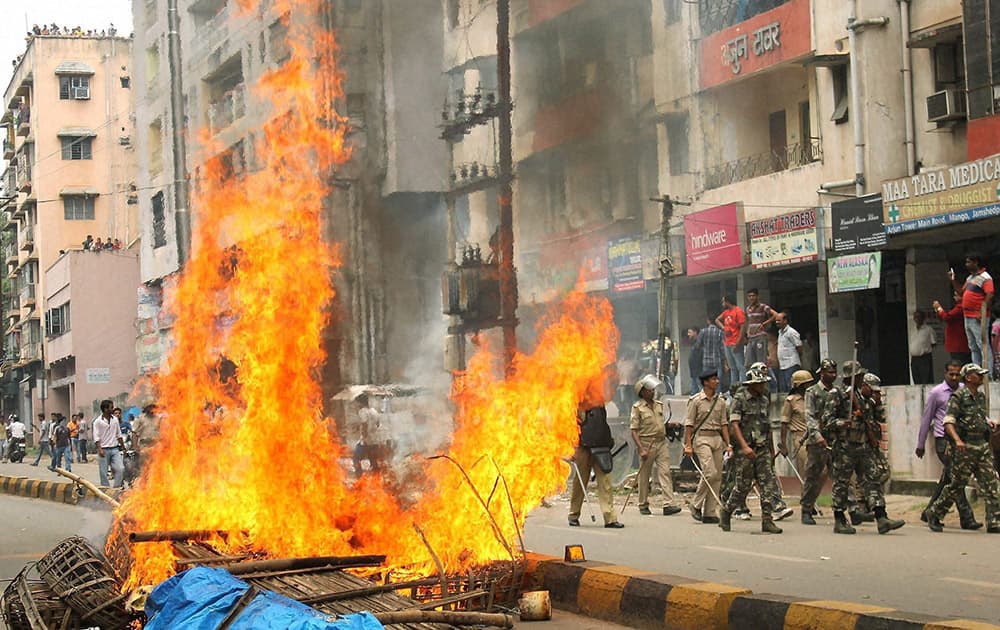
[[244, 445]]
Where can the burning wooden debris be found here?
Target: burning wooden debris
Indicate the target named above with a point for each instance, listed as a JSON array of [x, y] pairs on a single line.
[[80, 587]]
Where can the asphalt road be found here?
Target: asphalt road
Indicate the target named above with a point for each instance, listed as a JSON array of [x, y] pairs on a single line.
[[951, 574]]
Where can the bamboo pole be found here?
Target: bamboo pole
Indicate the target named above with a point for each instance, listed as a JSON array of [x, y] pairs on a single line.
[[443, 616], [89, 485]]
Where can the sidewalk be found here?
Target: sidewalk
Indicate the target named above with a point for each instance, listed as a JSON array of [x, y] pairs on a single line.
[[24, 469]]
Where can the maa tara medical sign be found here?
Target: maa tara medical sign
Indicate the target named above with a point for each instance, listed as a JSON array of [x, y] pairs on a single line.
[[713, 239], [942, 196]]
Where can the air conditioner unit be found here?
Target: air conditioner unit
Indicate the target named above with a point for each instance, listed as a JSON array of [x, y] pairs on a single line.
[[946, 105], [81, 92]]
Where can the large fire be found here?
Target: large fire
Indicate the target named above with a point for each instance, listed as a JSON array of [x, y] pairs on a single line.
[[244, 445]]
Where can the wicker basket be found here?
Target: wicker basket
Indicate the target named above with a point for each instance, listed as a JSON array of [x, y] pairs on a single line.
[[80, 575], [32, 605]]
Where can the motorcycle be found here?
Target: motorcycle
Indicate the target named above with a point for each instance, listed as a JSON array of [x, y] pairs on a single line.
[[131, 461], [17, 450]]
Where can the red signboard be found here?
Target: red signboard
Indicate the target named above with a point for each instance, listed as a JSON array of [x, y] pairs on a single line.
[[775, 36], [713, 239]]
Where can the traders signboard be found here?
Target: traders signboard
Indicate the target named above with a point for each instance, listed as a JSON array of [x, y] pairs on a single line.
[[625, 264], [787, 239], [713, 239], [855, 272], [857, 224], [942, 196]]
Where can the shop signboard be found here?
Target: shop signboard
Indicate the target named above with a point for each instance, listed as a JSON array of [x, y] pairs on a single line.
[[942, 196], [787, 239], [625, 265], [854, 272], [776, 36], [713, 239], [857, 224], [594, 268]]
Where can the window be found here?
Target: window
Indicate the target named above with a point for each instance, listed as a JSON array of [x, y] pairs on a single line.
[[57, 320], [677, 141], [453, 7], [159, 221], [840, 94], [78, 208], [77, 147], [673, 10], [949, 65], [555, 186], [74, 88]]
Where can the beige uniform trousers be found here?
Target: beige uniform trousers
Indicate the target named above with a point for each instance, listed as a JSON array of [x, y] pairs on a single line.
[[658, 456], [709, 449], [585, 462], [794, 439]]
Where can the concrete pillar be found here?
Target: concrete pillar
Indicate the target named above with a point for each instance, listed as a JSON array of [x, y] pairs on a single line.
[[910, 281], [821, 311], [677, 334]]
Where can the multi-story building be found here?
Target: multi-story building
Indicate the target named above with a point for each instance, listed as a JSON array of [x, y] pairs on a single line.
[[385, 211], [70, 175]]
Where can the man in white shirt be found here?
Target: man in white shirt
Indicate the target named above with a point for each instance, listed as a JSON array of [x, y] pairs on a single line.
[[110, 445], [17, 429], [44, 433], [922, 342], [789, 352]]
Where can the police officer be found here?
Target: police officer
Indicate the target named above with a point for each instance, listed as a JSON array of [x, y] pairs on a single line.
[[593, 451], [966, 424], [754, 461], [650, 436], [849, 419], [817, 449]]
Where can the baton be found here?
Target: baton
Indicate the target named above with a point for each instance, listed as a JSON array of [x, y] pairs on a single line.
[[705, 479], [789, 460], [583, 486]]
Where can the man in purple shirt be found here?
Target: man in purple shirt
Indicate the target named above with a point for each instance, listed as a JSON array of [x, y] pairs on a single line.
[[934, 411]]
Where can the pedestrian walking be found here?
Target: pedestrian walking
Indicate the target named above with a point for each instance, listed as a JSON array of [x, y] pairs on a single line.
[[922, 342], [733, 323], [110, 446], [759, 317], [74, 438], [44, 434], [817, 466], [789, 352], [966, 424], [754, 461], [593, 451], [956, 343], [61, 444], [85, 437], [706, 438], [649, 435], [932, 421], [977, 297]]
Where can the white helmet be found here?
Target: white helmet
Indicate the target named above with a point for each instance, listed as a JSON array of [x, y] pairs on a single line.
[[649, 382]]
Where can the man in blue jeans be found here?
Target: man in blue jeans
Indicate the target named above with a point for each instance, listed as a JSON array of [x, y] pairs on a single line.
[[733, 323], [62, 445], [110, 445], [44, 433], [977, 299]]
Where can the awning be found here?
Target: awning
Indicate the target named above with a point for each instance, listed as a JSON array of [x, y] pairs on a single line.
[[76, 132], [78, 191], [940, 33], [829, 60], [74, 67]]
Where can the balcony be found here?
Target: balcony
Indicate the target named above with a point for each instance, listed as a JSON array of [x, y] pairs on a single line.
[[31, 351], [26, 237], [8, 149], [22, 121], [27, 295], [740, 170], [227, 110], [212, 34], [23, 176], [10, 253]]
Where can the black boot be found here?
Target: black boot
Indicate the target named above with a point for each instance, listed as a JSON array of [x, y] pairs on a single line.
[[934, 523], [807, 518], [968, 520], [886, 524], [725, 520], [840, 525], [768, 527]]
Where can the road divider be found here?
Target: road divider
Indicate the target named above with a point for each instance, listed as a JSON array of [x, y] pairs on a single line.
[[643, 599]]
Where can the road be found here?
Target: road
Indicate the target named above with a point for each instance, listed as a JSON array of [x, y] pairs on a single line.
[[951, 574], [29, 528]]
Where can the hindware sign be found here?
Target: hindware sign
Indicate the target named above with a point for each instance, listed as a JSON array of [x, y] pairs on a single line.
[[942, 196], [713, 239]]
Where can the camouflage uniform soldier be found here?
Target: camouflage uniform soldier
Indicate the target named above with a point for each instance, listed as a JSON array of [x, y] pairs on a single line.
[[749, 423], [849, 420], [817, 449], [966, 424]]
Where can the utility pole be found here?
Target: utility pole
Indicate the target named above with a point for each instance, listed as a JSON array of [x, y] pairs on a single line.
[[508, 278], [666, 269], [182, 216]]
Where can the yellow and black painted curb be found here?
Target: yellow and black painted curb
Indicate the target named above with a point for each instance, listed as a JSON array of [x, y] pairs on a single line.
[[644, 599], [58, 491]]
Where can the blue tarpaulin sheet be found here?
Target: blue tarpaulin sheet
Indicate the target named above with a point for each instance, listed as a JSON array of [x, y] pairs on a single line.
[[201, 598]]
